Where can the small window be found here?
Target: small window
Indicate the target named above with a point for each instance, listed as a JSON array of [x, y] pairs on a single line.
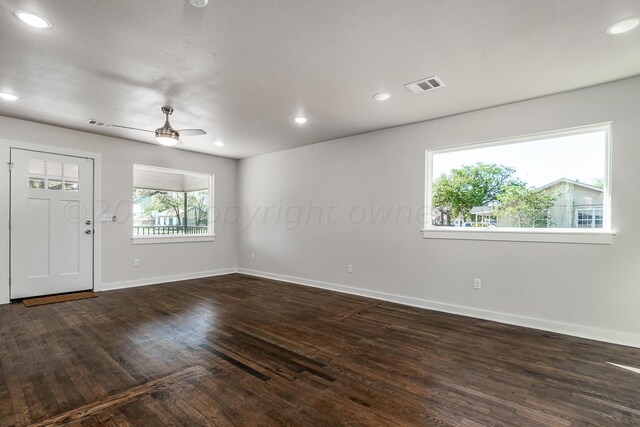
[[589, 218], [554, 181], [53, 175], [171, 203]]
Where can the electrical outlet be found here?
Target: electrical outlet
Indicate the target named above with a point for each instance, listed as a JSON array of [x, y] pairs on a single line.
[[136, 262], [477, 284], [253, 256], [349, 268]]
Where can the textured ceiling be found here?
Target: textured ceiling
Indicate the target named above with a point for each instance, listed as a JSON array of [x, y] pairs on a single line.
[[243, 69]]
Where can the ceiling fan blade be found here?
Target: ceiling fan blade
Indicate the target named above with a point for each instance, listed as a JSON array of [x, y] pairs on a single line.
[[191, 132], [130, 128]]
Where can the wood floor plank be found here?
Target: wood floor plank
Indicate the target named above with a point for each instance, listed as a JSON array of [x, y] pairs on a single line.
[[241, 350], [122, 398]]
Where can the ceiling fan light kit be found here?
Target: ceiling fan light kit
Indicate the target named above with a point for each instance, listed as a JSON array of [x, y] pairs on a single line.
[[166, 135], [199, 3], [167, 141]]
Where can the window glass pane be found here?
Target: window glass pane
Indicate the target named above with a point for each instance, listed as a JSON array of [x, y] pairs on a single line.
[[71, 185], [71, 170], [54, 169], [599, 219], [170, 202], [55, 184], [585, 218], [35, 182], [554, 181], [36, 167]]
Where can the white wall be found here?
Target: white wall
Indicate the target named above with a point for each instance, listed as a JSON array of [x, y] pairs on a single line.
[[586, 290], [158, 262]]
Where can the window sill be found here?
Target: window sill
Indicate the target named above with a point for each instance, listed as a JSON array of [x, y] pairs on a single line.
[[516, 235], [146, 240]]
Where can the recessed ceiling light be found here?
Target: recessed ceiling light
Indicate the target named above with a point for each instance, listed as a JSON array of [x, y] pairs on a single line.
[[623, 26], [8, 96], [33, 19], [382, 96], [199, 3], [300, 120], [219, 143]]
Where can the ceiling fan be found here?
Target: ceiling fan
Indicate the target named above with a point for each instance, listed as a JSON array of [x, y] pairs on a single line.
[[166, 135]]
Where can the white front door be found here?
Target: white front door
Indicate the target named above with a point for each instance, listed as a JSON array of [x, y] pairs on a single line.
[[51, 223]]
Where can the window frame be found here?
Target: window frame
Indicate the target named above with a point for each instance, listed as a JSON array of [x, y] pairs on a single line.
[[177, 238], [549, 235]]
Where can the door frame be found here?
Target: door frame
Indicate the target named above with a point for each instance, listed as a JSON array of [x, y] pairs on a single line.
[[5, 214]]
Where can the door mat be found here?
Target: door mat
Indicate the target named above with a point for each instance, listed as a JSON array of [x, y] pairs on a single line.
[[52, 299]]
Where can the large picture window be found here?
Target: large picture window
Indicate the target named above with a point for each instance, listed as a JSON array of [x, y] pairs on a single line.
[[557, 181], [171, 203]]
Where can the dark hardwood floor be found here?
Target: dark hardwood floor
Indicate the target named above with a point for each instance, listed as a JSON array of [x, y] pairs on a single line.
[[239, 350]]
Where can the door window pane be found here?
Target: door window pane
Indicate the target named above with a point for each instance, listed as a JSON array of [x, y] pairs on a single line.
[[36, 167], [70, 170], [70, 185], [35, 182], [54, 169], [55, 184]]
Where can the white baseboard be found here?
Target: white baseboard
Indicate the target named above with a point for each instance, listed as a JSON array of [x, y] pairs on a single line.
[[588, 332], [164, 279]]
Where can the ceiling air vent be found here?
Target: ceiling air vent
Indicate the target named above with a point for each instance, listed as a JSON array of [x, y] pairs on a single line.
[[424, 85], [95, 122]]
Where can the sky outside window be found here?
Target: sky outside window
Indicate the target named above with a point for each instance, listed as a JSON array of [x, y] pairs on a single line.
[[575, 157]]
